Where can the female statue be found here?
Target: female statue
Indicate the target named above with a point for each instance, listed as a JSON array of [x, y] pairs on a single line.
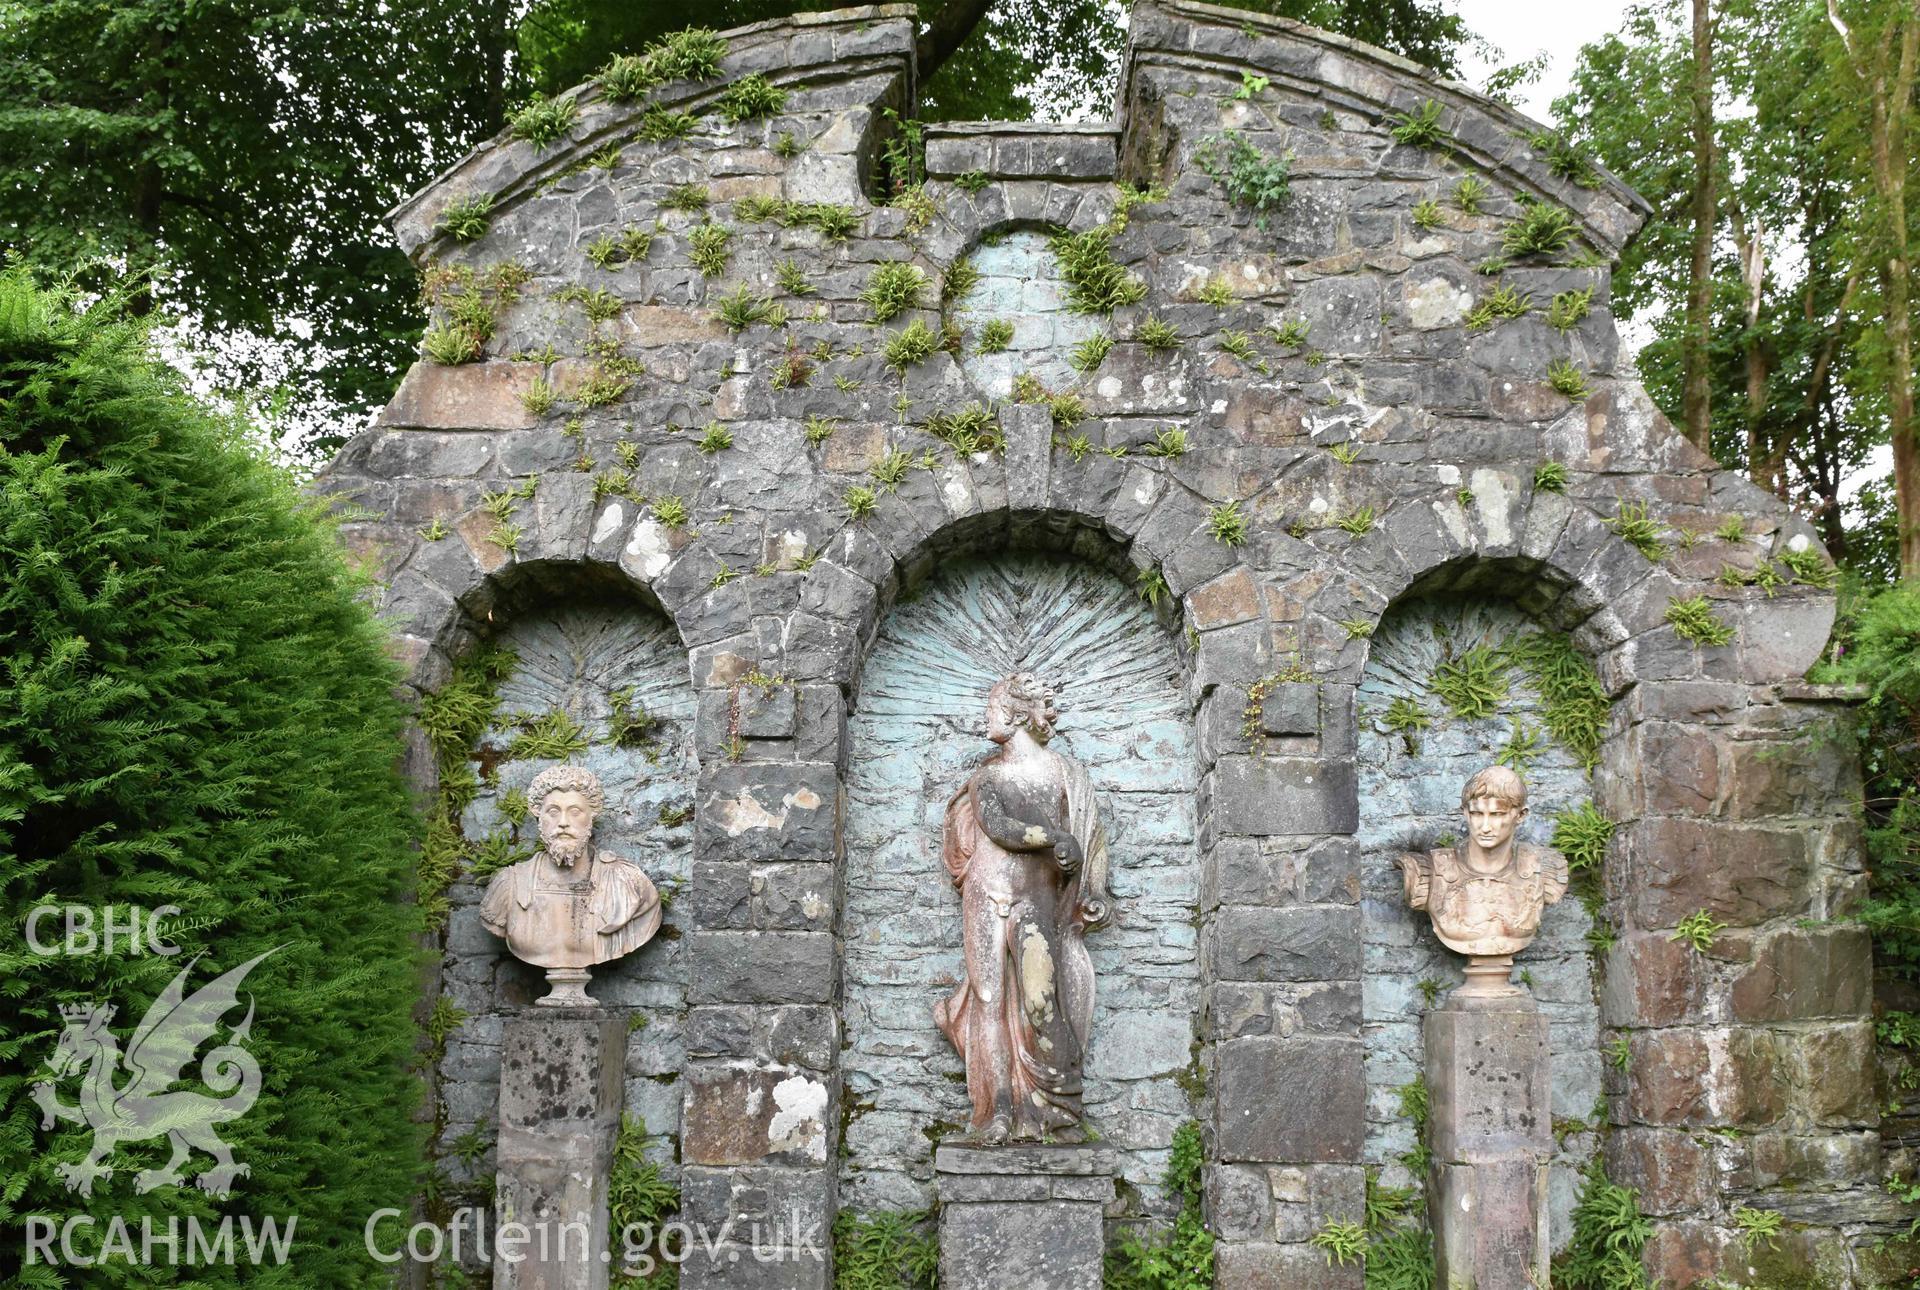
[[1024, 844]]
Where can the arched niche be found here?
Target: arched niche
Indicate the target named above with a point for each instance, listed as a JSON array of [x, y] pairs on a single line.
[[917, 731], [1409, 788], [1019, 284], [587, 659]]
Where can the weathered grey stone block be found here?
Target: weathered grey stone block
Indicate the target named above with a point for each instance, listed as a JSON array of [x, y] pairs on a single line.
[[1293, 943], [1491, 1131], [768, 812], [1284, 796], [1291, 708], [1022, 1216], [560, 1087], [770, 1228], [760, 967], [1296, 1100]]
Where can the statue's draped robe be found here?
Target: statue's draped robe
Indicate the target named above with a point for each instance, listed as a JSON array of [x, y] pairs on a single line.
[[612, 910], [1046, 1056]]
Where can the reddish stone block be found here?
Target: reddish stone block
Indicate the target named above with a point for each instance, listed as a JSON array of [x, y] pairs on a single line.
[[472, 396], [736, 1116], [1681, 769], [1486, 1069], [1672, 1172], [1809, 776], [1489, 1225], [1767, 1160], [1652, 980], [1801, 974], [1233, 597], [1834, 1075], [1741, 875], [650, 325], [1683, 1255], [1693, 1076], [1667, 1077], [1749, 1077]]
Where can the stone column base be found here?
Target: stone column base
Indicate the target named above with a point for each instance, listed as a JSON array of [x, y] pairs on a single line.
[[560, 1100], [1026, 1216], [1490, 1127]]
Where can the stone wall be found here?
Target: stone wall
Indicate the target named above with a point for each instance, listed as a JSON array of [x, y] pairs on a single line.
[[776, 487]]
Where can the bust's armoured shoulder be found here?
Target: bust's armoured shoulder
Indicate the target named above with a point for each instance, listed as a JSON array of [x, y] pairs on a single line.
[[1552, 868], [501, 895], [1417, 869], [623, 895]]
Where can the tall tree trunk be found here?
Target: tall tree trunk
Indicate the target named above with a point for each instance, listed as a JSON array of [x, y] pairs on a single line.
[[146, 217], [499, 34], [1824, 466], [1888, 80], [1695, 390], [1766, 457], [953, 23]]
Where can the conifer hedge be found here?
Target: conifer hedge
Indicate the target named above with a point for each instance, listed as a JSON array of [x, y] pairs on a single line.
[[194, 710]]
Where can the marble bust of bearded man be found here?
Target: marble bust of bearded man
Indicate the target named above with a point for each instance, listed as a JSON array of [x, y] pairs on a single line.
[[570, 905]]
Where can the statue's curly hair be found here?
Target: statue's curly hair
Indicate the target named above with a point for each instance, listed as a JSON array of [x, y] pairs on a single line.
[[567, 779], [1022, 689], [1502, 783]]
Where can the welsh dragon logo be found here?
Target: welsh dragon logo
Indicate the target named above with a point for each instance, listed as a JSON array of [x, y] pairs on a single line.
[[157, 1057]]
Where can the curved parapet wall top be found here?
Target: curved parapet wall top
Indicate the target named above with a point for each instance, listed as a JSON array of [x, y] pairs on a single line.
[[1365, 379], [817, 51], [1184, 36]]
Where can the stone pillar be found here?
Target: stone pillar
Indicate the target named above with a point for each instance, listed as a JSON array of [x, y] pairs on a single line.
[[1022, 1216], [1491, 1131], [560, 1099], [763, 964], [1289, 1059]]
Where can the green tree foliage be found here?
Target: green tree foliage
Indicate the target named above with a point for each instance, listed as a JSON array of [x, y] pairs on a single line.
[[194, 710], [241, 153], [1798, 396], [1013, 59], [1880, 649]]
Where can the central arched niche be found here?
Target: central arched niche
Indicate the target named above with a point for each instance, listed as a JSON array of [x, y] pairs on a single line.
[[1410, 786], [917, 731]]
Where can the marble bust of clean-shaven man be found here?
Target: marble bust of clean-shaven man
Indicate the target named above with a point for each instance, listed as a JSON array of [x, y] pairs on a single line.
[[1485, 895]]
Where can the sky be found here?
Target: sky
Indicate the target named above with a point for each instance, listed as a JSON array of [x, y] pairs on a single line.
[[1524, 28]]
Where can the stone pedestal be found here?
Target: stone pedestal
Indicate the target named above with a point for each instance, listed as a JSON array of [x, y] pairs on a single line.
[[560, 1099], [1491, 1131], [1027, 1216]]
